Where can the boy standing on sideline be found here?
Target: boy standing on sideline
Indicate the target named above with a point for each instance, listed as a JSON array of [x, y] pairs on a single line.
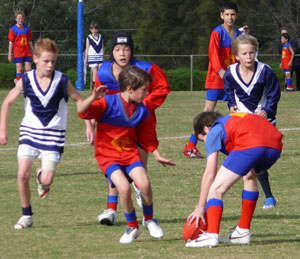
[[122, 52], [43, 128], [220, 57], [287, 57], [252, 87], [253, 145], [94, 50], [123, 122], [20, 45]]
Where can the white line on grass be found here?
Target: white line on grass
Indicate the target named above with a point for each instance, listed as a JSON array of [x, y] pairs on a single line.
[[164, 138]]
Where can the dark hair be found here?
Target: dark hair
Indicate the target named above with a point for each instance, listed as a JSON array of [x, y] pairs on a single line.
[[121, 37], [229, 5], [204, 119], [94, 25], [286, 36], [133, 76]]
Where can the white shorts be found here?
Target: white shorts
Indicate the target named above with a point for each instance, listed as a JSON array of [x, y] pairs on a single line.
[[29, 151]]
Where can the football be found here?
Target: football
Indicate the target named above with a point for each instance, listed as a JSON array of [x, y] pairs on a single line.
[[191, 232]]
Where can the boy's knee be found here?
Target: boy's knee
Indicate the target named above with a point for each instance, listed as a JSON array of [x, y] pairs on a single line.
[[125, 191], [23, 176]]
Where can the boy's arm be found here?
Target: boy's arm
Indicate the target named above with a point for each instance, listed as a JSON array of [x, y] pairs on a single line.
[[8, 101], [229, 90], [213, 54], [31, 47], [87, 46], [158, 90], [207, 180], [10, 47], [103, 50], [293, 54]]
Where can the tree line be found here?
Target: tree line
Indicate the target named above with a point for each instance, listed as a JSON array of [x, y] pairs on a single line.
[[173, 27]]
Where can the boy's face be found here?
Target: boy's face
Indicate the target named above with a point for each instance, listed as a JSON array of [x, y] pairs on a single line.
[[20, 20], [122, 54], [283, 40], [94, 31], [45, 63], [137, 96], [229, 17], [246, 55]]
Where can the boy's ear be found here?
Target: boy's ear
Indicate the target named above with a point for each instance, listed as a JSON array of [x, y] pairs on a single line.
[[128, 88], [237, 58]]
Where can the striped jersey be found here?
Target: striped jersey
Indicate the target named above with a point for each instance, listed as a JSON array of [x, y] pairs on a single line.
[[20, 36], [95, 51], [45, 121], [261, 93]]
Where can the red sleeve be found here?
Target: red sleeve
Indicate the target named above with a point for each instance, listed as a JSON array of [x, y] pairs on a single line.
[[95, 111], [97, 82], [147, 135], [29, 35], [11, 36], [158, 89], [213, 51]]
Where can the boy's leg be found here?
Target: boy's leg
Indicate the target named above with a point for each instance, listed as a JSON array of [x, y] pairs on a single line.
[[27, 66], [121, 182], [270, 201], [19, 71], [289, 82], [139, 176], [24, 169], [94, 73], [225, 178], [210, 106]]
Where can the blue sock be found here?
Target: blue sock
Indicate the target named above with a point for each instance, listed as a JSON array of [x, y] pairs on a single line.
[[27, 211]]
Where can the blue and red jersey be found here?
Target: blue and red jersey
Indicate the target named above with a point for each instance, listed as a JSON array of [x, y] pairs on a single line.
[[158, 89], [220, 57], [241, 131], [117, 134], [286, 56], [20, 37]]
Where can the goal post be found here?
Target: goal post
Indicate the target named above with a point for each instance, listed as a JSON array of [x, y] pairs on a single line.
[[80, 44]]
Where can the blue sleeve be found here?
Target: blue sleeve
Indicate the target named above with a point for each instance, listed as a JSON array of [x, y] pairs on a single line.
[[228, 88], [272, 93], [214, 140]]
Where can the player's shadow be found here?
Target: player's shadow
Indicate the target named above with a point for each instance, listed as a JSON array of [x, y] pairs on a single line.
[[264, 216], [75, 173]]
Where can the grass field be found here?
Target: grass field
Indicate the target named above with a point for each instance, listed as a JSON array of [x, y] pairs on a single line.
[[65, 224]]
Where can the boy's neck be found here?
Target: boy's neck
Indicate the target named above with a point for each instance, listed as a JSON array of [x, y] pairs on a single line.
[[116, 70], [228, 28], [125, 96]]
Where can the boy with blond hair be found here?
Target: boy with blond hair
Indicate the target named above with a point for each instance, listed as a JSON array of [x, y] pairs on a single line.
[[43, 128]]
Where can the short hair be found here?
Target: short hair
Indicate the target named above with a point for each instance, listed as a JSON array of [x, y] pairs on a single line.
[[229, 5], [94, 25], [286, 36], [19, 12], [45, 44], [204, 119], [243, 39], [133, 76]]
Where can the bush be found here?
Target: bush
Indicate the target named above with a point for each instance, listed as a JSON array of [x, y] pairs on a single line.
[[180, 79], [7, 75]]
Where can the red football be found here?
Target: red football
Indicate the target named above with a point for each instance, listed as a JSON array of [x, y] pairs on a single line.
[[191, 232]]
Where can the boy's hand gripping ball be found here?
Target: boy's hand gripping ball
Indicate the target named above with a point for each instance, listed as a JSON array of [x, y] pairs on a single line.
[[191, 232]]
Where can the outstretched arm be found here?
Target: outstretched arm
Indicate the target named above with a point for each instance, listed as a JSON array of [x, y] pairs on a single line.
[[160, 159], [8, 101]]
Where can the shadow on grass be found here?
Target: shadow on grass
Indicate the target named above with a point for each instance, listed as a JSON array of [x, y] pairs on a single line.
[[265, 216]]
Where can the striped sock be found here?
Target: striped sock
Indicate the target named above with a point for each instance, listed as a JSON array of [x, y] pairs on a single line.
[[148, 212], [248, 208], [192, 141], [112, 202], [131, 219], [214, 209]]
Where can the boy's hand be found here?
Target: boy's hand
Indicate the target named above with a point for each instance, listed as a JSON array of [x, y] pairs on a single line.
[[9, 58], [233, 109], [160, 159], [197, 214], [99, 92], [3, 137], [262, 113]]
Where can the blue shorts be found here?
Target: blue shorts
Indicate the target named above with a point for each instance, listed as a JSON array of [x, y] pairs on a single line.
[[259, 158], [22, 60], [125, 168], [287, 70], [215, 95]]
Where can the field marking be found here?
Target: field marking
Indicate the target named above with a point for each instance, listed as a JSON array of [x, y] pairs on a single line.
[[164, 138]]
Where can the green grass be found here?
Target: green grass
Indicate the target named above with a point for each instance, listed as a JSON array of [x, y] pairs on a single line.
[[65, 224]]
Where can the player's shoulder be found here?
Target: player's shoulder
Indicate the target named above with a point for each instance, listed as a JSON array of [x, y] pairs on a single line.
[[142, 64]]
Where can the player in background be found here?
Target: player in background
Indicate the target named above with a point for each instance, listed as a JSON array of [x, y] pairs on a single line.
[[94, 50], [287, 57], [220, 57], [20, 45], [253, 145], [252, 87], [43, 128], [123, 123], [122, 55]]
